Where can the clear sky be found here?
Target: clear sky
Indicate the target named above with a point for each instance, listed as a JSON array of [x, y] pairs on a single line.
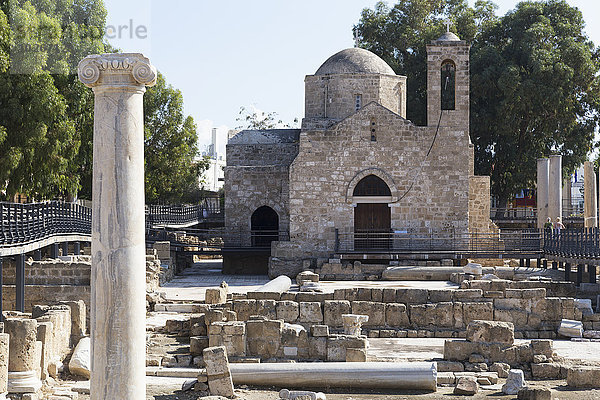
[[224, 54]]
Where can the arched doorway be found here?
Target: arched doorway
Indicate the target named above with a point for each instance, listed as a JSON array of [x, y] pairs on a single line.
[[264, 226], [372, 216]]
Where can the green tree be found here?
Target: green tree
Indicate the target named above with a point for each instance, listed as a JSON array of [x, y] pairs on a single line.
[[534, 84], [258, 120], [534, 92], [171, 147], [41, 101]]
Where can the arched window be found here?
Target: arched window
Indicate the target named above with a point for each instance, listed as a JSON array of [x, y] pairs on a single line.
[[264, 224], [448, 85], [372, 185]]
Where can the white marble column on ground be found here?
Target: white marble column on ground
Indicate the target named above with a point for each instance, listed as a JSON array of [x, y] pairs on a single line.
[[590, 196], [118, 308], [555, 188], [22, 362], [543, 171]]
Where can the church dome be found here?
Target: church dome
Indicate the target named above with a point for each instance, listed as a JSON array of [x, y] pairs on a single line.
[[355, 61], [449, 37]]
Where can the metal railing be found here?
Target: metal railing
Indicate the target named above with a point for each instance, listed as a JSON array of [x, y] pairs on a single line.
[[526, 242], [573, 243], [180, 215], [25, 223], [530, 213]]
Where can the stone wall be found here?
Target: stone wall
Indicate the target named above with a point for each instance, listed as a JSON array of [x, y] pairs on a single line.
[[51, 272], [341, 91], [330, 162], [257, 175], [479, 205]]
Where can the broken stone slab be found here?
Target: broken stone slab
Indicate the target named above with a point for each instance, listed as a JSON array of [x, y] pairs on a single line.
[[311, 287], [280, 284], [583, 377], [353, 323], [301, 395], [306, 276], [369, 375], [80, 360], [591, 334], [479, 331], [216, 295], [514, 382], [529, 393], [217, 371], [473, 269], [570, 328], [466, 386]]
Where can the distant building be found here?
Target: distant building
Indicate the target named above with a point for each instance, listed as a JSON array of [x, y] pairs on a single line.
[[213, 177]]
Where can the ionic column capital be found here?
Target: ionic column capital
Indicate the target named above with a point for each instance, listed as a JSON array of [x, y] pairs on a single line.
[[117, 70]]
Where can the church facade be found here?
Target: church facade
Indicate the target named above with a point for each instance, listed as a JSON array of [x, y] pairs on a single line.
[[358, 172]]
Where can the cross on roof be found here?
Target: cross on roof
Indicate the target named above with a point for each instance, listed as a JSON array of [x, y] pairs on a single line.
[[355, 38], [448, 25]]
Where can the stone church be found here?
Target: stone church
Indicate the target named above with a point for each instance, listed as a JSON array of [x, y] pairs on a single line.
[[358, 174]]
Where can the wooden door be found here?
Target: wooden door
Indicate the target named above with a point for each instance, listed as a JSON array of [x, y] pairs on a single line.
[[372, 226]]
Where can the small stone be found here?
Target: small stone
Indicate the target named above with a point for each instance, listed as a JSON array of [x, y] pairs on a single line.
[[570, 328], [501, 369], [473, 269], [514, 382], [467, 386], [200, 387], [476, 358]]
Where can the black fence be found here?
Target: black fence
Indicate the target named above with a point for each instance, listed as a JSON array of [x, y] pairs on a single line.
[[221, 237], [469, 244], [25, 223], [573, 243], [180, 215]]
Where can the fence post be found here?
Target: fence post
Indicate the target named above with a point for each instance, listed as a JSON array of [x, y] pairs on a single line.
[[579, 278], [20, 283], [592, 273], [567, 272]]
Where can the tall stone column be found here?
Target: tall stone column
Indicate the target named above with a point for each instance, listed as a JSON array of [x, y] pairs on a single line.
[[118, 280], [590, 210], [555, 188], [22, 362], [543, 175]]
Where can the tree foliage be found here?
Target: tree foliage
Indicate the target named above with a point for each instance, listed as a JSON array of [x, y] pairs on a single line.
[[534, 83], [171, 147], [258, 120]]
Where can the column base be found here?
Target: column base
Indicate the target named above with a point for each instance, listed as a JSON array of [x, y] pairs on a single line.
[[23, 382]]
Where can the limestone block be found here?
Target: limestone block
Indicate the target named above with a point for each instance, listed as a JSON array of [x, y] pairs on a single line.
[[466, 386], [396, 315], [546, 370], [432, 315], [356, 355], [542, 347], [514, 382], [213, 316], [477, 311], [319, 330], [78, 319], [215, 295], [375, 312], [500, 368], [450, 366], [518, 318], [333, 311], [490, 332], [583, 377], [337, 345], [198, 344], [441, 295], [459, 350], [412, 296], [306, 276], [266, 308], [529, 393], [217, 371], [310, 312], [287, 311], [244, 309], [317, 348], [467, 294], [4, 351], [80, 363], [570, 328]]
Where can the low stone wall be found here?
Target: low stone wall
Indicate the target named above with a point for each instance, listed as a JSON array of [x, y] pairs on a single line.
[[51, 272]]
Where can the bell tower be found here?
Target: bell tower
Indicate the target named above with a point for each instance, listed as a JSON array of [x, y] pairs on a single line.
[[448, 81]]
